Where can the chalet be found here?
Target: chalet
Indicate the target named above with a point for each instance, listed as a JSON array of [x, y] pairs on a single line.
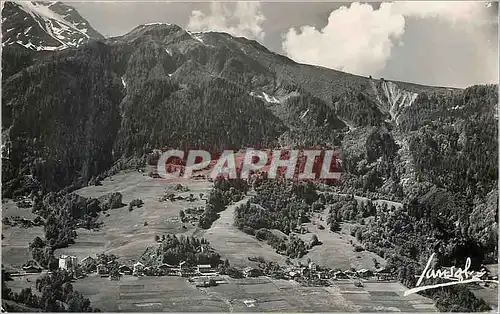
[[187, 272], [206, 270], [323, 275], [203, 268], [125, 270], [149, 271], [350, 273], [293, 274], [69, 263], [87, 261], [168, 269], [102, 270], [313, 266], [290, 268], [304, 271], [138, 269], [383, 274], [252, 272], [364, 273], [340, 275]]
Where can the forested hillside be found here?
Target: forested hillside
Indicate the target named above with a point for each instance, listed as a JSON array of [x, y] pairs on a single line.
[[69, 115]]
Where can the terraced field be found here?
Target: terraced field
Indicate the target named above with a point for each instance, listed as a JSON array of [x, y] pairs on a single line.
[[16, 238], [169, 294]]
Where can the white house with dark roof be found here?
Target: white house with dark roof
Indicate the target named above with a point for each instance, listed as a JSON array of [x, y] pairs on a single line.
[[138, 269], [67, 262]]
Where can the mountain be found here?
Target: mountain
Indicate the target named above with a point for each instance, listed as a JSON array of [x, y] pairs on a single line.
[[41, 25], [70, 116]]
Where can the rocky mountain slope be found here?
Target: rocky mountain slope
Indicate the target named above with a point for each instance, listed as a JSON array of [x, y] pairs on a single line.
[[40, 26]]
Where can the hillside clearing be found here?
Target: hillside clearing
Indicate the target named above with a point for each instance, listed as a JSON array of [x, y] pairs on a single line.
[[234, 244], [336, 250], [123, 232]]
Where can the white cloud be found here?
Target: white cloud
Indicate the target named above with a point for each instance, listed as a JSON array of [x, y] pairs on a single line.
[[239, 19], [359, 39]]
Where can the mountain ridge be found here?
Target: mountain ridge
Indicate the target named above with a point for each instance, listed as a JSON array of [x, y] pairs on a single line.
[[411, 84]]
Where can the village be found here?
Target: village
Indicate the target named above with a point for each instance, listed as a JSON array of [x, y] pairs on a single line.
[[206, 275], [201, 275]]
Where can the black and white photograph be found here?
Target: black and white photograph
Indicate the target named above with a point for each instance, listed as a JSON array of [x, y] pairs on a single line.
[[249, 156]]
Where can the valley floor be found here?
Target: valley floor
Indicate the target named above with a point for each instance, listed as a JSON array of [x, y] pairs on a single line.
[[125, 234], [262, 294]]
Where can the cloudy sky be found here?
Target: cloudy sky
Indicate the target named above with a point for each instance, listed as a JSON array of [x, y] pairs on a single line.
[[444, 43]]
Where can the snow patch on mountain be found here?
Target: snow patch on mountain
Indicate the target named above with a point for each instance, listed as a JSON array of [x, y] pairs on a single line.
[[44, 26], [265, 97], [32, 46], [196, 36], [52, 23], [270, 99], [279, 98]]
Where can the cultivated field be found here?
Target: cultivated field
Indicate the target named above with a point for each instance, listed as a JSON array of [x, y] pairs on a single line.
[[146, 294], [262, 294], [384, 297], [10, 209], [16, 242]]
